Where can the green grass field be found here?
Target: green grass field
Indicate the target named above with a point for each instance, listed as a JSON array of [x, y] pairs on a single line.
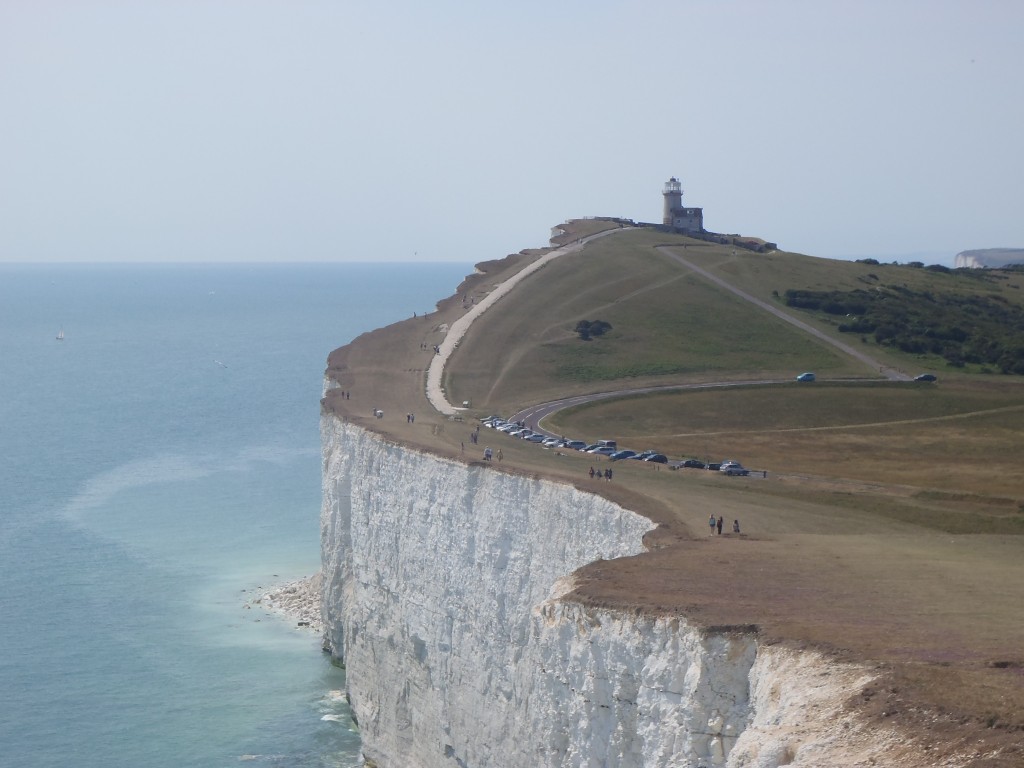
[[667, 326]]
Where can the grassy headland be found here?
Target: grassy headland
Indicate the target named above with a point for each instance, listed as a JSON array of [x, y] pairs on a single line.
[[890, 526]]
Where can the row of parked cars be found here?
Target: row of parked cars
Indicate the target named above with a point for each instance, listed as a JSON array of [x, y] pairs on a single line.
[[607, 448]]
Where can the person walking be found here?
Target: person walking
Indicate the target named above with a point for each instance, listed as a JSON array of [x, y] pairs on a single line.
[[719, 525], [712, 521], [735, 526]]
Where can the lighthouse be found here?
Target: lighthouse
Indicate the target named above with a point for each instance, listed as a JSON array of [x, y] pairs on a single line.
[[673, 199], [678, 218]]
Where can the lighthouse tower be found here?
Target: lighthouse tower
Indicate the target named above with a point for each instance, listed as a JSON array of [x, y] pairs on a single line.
[[676, 217], [673, 199]]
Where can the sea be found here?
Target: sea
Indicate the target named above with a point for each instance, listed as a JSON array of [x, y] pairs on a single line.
[[159, 468]]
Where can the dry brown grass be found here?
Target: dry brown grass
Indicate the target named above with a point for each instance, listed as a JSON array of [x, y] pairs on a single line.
[[887, 531]]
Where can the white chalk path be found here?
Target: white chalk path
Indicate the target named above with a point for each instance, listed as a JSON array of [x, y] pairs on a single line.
[[435, 373]]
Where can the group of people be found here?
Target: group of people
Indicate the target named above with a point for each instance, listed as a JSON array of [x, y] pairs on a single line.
[[716, 524], [606, 474]]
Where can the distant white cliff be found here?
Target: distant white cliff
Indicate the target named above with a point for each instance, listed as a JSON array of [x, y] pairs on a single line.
[[989, 257], [445, 592]]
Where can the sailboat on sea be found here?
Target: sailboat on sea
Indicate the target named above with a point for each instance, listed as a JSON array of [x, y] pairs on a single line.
[[60, 335]]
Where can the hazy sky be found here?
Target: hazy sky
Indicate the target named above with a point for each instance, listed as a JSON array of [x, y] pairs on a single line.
[[248, 130]]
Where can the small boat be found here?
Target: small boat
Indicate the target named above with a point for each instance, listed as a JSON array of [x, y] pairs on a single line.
[[60, 335]]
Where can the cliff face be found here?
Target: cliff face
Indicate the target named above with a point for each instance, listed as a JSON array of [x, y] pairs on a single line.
[[444, 589]]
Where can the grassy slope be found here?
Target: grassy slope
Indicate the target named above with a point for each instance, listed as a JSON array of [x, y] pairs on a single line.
[[667, 325], [889, 527]]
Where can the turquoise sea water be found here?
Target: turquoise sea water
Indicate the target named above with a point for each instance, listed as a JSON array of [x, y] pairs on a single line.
[[159, 465]]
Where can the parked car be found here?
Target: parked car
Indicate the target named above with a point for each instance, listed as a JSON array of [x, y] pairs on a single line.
[[642, 456], [625, 453], [808, 376], [735, 469], [657, 458], [576, 445], [926, 377], [536, 437], [602, 450], [693, 464], [680, 464], [714, 466]]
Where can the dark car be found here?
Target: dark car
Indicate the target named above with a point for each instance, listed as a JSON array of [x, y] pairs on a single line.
[[714, 466], [658, 458], [693, 464], [926, 377], [642, 456], [625, 453]]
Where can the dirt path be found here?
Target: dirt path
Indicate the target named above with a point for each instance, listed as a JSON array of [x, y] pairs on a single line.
[[767, 307], [435, 372]]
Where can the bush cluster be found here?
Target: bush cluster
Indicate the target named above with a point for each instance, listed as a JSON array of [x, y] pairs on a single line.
[[960, 328], [587, 328]]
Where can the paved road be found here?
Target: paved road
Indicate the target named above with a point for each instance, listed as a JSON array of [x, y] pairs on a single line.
[[531, 416]]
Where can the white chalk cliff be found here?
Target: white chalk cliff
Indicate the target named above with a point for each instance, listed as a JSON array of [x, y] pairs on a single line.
[[445, 591]]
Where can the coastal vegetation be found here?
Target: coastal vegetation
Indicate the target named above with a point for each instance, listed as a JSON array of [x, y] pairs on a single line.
[[588, 329], [962, 328]]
